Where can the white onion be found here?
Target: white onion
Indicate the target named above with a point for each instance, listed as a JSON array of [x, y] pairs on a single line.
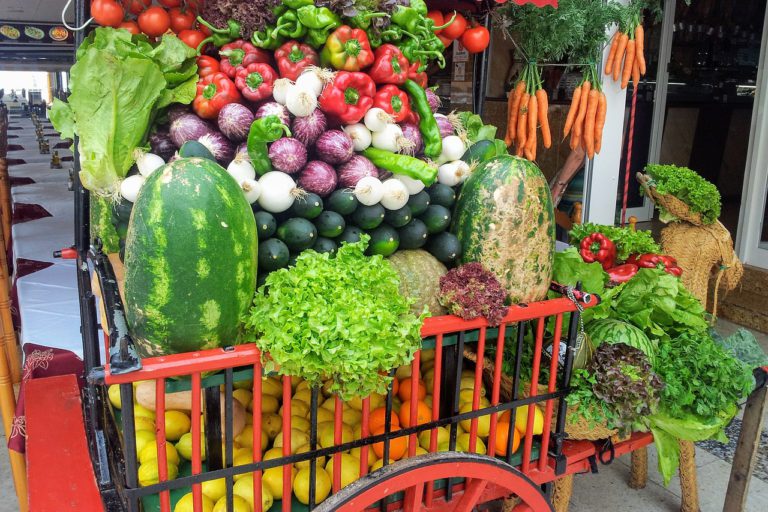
[[130, 186], [369, 190], [453, 173], [360, 135], [251, 190], [453, 149], [147, 163], [377, 119], [311, 81], [300, 101], [389, 139], [280, 89], [278, 191], [413, 186], [241, 168], [395, 194]]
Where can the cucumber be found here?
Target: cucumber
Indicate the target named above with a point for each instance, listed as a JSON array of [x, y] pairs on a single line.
[[437, 218], [444, 246], [441, 195], [342, 201], [307, 207], [384, 241], [479, 152], [418, 203], [413, 235], [297, 233], [192, 148], [266, 225], [398, 218], [368, 217], [351, 235], [330, 224], [325, 245], [273, 254]]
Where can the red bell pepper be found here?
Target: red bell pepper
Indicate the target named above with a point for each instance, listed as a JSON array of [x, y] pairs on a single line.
[[390, 65], [349, 97], [207, 65], [674, 270], [293, 58], [622, 273], [666, 263], [347, 49], [213, 92], [394, 102], [598, 248], [420, 77], [255, 81], [240, 54]]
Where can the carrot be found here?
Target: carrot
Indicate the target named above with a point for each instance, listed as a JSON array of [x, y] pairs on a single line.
[[522, 121], [514, 106], [543, 110], [578, 126], [572, 111], [635, 70], [626, 73], [640, 48], [612, 52], [532, 147], [589, 123], [533, 120], [619, 56], [602, 108]]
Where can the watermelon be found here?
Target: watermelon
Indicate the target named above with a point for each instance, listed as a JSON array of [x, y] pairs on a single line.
[[420, 274], [609, 330], [190, 259], [504, 219]]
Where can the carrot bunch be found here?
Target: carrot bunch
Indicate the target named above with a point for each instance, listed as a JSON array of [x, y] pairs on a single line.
[[527, 110], [626, 58], [586, 115]]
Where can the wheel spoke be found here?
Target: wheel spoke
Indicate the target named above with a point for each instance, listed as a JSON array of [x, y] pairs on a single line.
[[474, 488]]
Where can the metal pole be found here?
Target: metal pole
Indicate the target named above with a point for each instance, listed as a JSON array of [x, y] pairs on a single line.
[[481, 75]]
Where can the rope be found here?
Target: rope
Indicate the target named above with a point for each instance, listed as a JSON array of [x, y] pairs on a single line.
[[629, 157]]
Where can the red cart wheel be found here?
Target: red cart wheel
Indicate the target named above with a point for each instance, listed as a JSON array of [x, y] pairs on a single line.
[[412, 474]]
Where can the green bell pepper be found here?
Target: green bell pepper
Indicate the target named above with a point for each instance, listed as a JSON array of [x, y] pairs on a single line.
[[420, 6], [288, 26], [220, 36], [296, 4], [408, 19], [402, 164], [430, 132], [318, 17], [263, 131], [265, 40]]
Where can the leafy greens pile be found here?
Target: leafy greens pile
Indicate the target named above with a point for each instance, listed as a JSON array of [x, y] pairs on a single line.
[[338, 317], [628, 241], [689, 187], [119, 84]]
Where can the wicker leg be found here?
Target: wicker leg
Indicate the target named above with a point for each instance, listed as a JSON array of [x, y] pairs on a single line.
[[688, 486], [638, 475], [561, 493]]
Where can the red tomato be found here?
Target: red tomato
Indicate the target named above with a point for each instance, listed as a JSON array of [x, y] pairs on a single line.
[[192, 38], [437, 17], [476, 39], [107, 13], [446, 42], [154, 21], [169, 3], [455, 29], [136, 6], [131, 26], [181, 20]]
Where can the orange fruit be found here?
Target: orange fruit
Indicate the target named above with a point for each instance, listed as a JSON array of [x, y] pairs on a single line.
[[423, 413], [377, 418], [395, 386], [505, 417], [397, 446], [405, 390], [502, 436]]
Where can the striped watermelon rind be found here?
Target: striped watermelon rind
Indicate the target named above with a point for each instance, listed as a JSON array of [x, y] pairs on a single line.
[[190, 262], [504, 219], [610, 330]]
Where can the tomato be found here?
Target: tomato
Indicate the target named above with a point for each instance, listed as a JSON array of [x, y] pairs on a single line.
[[131, 26], [136, 6], [446, 42], [181, 20], [476, 39], [169, 3], [192, 38], [437, 17], [455, 29], [107, 13], [154, 21]]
